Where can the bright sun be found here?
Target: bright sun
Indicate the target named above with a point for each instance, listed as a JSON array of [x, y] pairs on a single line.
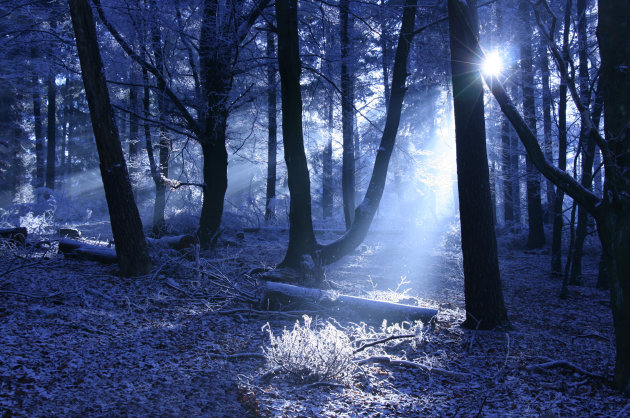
[[493, 64]]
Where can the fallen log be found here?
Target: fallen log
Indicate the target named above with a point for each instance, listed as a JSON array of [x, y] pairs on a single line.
[[69, 233], [176, 242], [276, 295], [81, 250], [17, 235], [84, 251]]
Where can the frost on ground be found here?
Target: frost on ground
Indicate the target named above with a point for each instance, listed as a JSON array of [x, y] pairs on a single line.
[[75, 339]]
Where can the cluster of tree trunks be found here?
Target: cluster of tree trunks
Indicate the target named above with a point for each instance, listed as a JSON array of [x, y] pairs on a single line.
[[612, 211]]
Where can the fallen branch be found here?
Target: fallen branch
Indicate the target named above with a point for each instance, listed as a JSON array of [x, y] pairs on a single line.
[[287, 314], [80, 250], [413, 365], [384, 340], [281, 294], [562, 363], [17, 234]]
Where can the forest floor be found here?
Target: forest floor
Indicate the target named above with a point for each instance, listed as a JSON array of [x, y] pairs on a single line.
[[76, 340]]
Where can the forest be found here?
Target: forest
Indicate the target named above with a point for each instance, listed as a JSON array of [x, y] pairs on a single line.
[[314, 207]]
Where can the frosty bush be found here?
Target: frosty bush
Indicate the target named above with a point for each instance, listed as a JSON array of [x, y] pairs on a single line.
[[309, 353]]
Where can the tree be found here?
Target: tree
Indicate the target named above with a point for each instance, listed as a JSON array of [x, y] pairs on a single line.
[[587, 142], [302, 241], [301, 235], [611, 212], [556, 241], [272, 128], [536, 236], [131, 247], [347, 116], [220, 41], [51, 136], [482, 283]]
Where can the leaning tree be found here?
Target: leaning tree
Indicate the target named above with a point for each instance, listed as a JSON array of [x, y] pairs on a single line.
[[612, 210], [302, 242], [131, 246]]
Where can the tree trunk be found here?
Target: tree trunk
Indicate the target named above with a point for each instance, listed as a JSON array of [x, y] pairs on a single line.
[[347, 116], [384, 57], [614, 221], [216, 56], [506, 166], [364, 213], [39, 137], [215, 165], [301, 236], [272, 129], [159, 223], [587, 144], [536, 237], [327, 164], [482, 284], [133, 257], [546, 107], [556, 242], [134, 133], [51, 132]]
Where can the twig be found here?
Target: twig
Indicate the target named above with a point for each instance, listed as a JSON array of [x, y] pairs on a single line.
[[316, 384], [384, 340], [413, 365], [565, 364], [237, 356], [97, 293], [592, 335], [28, 295], [623, 411]]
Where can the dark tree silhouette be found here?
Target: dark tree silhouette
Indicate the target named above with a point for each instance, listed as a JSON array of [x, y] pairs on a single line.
[[272, 128], [301, 235], [485, 308], [131, 247], [536, 236]]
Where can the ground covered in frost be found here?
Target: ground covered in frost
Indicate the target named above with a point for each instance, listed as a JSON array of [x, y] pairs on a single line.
[[77, 340]]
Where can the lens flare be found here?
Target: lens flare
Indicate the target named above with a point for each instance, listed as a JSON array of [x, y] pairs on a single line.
[[492, 64]]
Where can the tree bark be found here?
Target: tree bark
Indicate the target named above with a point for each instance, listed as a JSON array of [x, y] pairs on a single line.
[[536, 236], [347, 117], [51, 136], [159, 207], [134, 132], [614, 221], [482, 283], [133, 257], [546, 108], [301, 236], [364, 213], [327, 164], [506, 166], [272, 129], [278, 295], [556, 241], [384, 57], [39, 137]]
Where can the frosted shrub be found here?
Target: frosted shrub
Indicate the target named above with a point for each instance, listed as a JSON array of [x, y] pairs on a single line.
[[309, 353]]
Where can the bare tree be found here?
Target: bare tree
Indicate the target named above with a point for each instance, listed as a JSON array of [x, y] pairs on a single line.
[[131, 247]]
